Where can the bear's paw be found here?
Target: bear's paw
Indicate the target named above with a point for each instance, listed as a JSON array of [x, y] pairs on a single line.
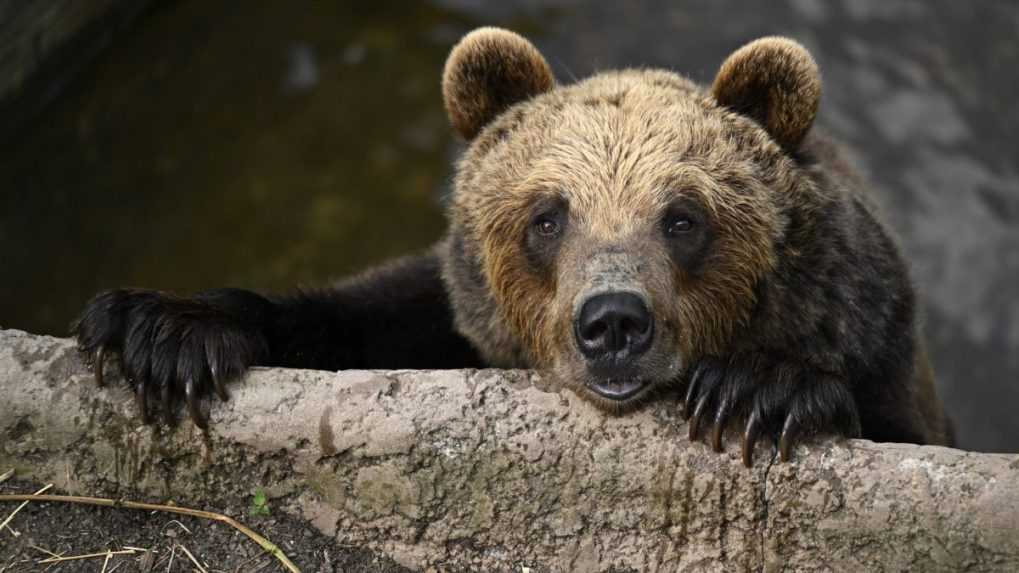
[[786, 400], [169, 347]]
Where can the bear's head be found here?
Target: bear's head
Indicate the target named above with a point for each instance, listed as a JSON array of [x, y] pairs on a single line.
[[613, 231]]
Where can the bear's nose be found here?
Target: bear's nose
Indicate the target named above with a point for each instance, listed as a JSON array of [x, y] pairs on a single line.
[[616, 326]]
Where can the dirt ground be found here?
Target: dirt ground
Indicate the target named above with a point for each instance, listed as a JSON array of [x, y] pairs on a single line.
[[161, 541]]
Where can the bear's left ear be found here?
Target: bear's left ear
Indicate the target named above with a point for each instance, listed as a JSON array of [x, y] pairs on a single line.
[[775, 81], [488, 71]]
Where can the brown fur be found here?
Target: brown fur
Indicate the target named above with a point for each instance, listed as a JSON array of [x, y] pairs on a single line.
[[622, 148], [592, 143], [775, 81], [623, 233], [488, 71]]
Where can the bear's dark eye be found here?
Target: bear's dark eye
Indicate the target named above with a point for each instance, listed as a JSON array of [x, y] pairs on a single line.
[[545, 233], [679, 226], [688, 233], [547, 227]]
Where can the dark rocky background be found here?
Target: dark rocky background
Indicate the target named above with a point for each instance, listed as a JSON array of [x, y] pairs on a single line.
[[275, 144]]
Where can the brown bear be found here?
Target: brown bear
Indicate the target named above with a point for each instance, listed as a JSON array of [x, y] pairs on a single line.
[[629, 234]]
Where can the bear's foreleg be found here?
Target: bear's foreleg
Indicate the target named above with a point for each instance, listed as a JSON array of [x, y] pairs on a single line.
[[172, 348]]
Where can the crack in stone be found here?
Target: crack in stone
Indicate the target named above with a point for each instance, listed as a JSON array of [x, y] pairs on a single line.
[[766, 505]]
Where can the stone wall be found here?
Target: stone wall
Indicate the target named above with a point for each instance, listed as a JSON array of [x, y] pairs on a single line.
[[493, 470]]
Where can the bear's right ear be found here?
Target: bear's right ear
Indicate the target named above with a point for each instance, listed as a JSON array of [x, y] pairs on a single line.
[[488, 71]]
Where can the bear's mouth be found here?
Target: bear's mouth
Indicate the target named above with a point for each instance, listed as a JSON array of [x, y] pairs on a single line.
[[617, 389]]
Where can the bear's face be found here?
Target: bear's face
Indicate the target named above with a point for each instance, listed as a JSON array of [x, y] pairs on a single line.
[[615, 230]]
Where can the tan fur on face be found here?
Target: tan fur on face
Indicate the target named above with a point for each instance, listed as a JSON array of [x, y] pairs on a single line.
[[620, 148], [776, 82]]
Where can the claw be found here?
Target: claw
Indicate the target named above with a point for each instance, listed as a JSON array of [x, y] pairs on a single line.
[[691, 391], [716, 437], [167, 406], [716, 433], [194, 408], [97, 365], [788, 439], [218, 384], [141, 398], [750, 435], [695, 422]]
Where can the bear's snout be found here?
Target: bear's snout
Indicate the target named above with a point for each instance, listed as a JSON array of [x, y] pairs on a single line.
[[612, 329]]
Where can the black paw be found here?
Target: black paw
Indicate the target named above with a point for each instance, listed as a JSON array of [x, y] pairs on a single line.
[[783, 400], [169, 348]]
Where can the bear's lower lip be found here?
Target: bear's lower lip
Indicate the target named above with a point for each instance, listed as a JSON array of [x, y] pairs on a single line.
[[616, 388]]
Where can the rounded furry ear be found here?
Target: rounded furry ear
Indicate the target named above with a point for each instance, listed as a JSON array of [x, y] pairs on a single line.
[[489, 70], [775, 81]]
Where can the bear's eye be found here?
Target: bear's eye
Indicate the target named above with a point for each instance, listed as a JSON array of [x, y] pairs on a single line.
[[543, 235], [546, 227], [679, 226]]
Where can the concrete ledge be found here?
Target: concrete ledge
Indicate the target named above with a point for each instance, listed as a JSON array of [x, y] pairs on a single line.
[[492, 470]]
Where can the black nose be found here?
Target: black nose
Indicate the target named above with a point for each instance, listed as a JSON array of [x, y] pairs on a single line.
[[615, 325]]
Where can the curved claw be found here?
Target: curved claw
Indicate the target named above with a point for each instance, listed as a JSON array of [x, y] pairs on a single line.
[[695, 422], [717, 431], [97, 365], [217, 382], [788, 439], [716, 438], [141, 399], [691, 391], [167, 406], [194, 407], [750, 435]]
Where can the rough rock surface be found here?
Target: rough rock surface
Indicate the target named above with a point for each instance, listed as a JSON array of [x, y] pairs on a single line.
[[493, 470]]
